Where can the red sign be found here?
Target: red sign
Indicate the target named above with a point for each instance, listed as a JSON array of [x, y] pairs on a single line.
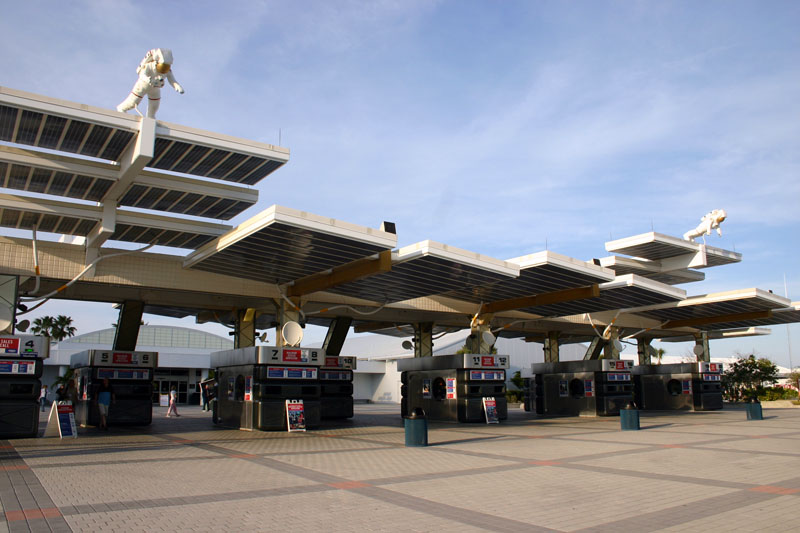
[[620, 365], [9, 344], [121, 358], [487, 360], [332, 361], [294, 356], [65, 409]]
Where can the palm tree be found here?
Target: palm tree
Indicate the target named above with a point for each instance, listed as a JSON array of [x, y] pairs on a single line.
[[659, 354], [58, 328]]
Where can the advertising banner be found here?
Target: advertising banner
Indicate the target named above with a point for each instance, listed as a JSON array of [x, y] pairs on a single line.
[[61, 421], [451, 388], [426, 388], [248, 388], [295, 417], [490, 410]]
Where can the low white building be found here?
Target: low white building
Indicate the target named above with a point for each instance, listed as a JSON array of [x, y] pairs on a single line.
[[183, 356]]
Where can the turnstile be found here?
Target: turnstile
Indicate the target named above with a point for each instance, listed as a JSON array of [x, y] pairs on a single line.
[[254, 383], [19, 396], [130, 374], [336, 387], [581, 388], [21, 365], [680, 386], [452, 388]]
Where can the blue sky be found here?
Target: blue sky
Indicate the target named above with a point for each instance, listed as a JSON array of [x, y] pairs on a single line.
[[498, 127]]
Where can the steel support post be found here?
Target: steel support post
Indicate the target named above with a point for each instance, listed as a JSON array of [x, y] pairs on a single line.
[[244, 332], [610, 351], [701, 340], [643, 350], [337, 333], [285, 313], [551, 347], [423, 339], [130, 318], [8, 300]]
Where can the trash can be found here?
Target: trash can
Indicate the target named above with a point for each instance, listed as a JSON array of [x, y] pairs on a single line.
[[754, 410], [629, 418], [416, 426]]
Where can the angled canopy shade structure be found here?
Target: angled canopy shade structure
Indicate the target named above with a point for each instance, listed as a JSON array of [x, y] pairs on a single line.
[[282, 244], [718, 308], [428, 268], [672, 252]]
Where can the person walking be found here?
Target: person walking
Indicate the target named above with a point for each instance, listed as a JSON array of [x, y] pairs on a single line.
[[105, 396], [43, 397], [204, 396], [173, 402]]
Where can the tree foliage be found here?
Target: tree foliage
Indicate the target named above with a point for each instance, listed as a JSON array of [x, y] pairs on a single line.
[[58, 328], [747, 376]]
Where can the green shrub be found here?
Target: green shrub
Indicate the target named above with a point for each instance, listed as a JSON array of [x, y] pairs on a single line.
[[514, 396], [770, 394]]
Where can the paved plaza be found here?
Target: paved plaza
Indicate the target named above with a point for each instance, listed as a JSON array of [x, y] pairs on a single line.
[[713, 471]]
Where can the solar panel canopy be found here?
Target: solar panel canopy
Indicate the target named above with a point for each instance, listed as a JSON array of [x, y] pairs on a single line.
[[622, 293], [718, 304], [539, 273], [656, 246], [428, 268], [49, 123], [281, 244]]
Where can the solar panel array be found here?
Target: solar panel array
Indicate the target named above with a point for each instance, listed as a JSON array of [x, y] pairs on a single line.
[[207, 175]]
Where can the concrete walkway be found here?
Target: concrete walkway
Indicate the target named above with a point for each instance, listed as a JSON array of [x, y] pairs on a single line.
[[685, 471]]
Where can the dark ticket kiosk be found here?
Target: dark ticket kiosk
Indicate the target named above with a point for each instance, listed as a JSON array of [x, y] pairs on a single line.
[[254, 383], [581, 388], [131, 376], [336, 387], [21, 365], [679, 387], [452, 388]]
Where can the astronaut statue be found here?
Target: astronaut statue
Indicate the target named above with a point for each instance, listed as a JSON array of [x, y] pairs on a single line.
[[711, 221], [153, 69]]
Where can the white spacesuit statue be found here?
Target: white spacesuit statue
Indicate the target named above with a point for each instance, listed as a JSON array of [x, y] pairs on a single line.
[[711, 221], [153, 69]]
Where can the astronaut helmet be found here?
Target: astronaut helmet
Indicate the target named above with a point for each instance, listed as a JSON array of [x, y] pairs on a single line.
[[163, 59]]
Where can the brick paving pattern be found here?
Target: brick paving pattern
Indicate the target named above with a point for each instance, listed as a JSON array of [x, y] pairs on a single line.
[[681, 472]]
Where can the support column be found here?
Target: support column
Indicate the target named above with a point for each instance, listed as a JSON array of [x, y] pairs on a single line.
[[244, 331], [337, 333], [285, 313], [595, 349], [423, 339], [643, 350], [551, 352], [610, 351], [475, 341], [8, 301], [130, 318], [701, 341]]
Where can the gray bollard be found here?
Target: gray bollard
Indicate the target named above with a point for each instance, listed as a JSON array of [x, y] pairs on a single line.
[[416, 426], [754, 411], [629, 418]]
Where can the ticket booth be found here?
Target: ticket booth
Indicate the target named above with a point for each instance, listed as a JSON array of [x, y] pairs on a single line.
[[21, 365], [452, 388], [336, 387], [254, 383], [581, 388], [679, 387], [131, 376]]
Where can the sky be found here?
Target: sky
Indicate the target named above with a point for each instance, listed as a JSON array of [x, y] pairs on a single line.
[[501, 127]]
